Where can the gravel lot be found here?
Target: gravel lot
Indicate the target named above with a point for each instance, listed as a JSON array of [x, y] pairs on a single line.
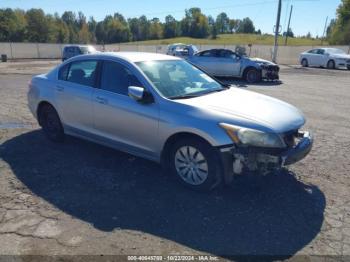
[[82, 198]]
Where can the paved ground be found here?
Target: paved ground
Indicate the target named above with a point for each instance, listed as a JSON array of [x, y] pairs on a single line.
[[81, 198]]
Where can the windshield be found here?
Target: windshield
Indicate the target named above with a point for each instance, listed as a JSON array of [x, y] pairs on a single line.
[[176, 79], [335, 51]]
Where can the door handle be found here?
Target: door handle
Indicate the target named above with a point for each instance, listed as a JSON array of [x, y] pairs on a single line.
[[101, 100], [60, 88]]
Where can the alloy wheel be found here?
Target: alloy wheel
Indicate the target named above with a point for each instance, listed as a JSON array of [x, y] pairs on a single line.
[[191, 165]]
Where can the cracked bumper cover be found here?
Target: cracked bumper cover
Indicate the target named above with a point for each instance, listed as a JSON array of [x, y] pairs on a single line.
[[270, 72], [252, 157], [299, 151]]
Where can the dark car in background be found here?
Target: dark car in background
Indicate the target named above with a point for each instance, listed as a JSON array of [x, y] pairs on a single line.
[[74, 50]]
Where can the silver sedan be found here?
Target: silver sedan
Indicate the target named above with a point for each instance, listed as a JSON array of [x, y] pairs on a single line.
[[164, 109], [226, 63]]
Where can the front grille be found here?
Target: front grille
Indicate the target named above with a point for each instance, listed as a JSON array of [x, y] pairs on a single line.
[[275, 68]]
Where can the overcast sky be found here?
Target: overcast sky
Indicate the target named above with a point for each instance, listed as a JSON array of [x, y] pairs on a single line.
[[308, 15]]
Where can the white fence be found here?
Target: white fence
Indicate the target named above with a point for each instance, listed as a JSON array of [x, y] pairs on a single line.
[[286, 54]]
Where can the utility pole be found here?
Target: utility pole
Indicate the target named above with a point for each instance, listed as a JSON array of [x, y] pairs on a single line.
[[324, 30], [290, 15], [277, 29]]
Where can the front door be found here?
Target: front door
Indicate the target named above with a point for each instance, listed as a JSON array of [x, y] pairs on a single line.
[[133, 126]]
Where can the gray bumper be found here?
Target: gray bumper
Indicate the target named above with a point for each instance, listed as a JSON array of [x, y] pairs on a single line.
[[298, 152]]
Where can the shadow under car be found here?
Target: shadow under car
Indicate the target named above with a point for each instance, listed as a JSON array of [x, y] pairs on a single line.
[[275, 215]]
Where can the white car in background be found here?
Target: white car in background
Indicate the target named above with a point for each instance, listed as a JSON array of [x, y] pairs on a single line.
[[325, 57]]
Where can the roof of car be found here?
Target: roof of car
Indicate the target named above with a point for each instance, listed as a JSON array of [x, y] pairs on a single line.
[[136, 56]]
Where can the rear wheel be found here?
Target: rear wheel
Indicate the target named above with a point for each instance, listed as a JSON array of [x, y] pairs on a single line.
[[252, 75], [304, 63], [195, 164], [51, 123], [331, 64]]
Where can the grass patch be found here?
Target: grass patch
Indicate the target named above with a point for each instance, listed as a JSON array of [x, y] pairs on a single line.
[[233, 39]]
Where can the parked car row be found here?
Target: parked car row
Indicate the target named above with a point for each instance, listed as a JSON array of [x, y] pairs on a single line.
[[226, 63]]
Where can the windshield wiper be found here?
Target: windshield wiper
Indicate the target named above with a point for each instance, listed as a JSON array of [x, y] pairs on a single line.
[[196, 94], [184, 96]]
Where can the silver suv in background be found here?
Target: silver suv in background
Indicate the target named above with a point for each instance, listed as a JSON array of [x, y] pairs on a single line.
[[74, 50]]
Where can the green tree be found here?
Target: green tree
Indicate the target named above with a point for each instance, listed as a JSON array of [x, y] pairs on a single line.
[[170, 27], [113, 29], [12, 25], [212, 27], [340, 31], [289, 33], [69, 18], [246, 26], [223, 23], [92, 24], [233, 25], [37, 29], [84, 34], [195, 24], [156, 29]]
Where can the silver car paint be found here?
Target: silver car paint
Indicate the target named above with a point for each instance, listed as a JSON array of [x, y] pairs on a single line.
[[227, 66], [143, 129]]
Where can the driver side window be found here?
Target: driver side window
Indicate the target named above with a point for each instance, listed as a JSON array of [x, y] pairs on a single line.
[[117, 78]]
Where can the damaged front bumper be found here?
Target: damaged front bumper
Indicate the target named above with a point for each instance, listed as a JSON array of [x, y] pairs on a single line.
[[270, 72], [238, 159]]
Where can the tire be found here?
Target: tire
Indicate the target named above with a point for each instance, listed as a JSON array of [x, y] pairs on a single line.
[[51, 123], [195, 164], [331, 64], [304, 62], [252, 75], [348, 67]]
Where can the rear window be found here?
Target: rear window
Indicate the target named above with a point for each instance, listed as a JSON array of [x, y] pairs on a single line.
[[83, 72]]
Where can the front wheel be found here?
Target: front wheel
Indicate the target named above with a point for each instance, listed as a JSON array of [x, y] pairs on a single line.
[[196, 164], [304, 63], [331, 64], [252, 75]]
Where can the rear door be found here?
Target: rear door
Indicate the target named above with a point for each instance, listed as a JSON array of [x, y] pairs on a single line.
[[320, 58], [73, 93], [207, 60], [312, 57], [228, 63], [131, 125]]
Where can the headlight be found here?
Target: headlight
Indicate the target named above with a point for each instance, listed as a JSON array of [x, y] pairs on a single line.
[[251, 137]]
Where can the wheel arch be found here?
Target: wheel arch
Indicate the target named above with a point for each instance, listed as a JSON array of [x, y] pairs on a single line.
[[250, 67], [175, 137], [331, 60], [40, 106]]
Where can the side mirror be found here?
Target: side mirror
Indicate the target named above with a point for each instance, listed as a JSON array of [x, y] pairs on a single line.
[[139, 94]]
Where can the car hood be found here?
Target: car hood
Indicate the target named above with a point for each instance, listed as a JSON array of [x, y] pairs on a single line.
[[259, 60], [340, 56], [250, 109]]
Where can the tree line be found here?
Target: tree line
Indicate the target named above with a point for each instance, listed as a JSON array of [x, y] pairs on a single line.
[[338, 31], [34, 25]]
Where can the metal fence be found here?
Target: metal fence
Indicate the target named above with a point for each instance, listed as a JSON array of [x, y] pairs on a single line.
[[286, 54]]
